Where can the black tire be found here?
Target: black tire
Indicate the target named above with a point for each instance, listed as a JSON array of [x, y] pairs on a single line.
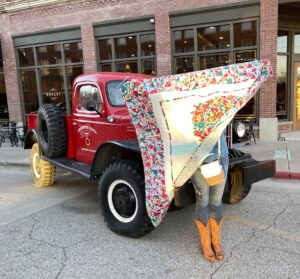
[[237, 191], [121, 194], [52, 134]]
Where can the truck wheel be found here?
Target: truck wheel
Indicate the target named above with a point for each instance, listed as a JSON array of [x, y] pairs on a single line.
[[43, 172], [121, 194], [51, 131], [237, 191]]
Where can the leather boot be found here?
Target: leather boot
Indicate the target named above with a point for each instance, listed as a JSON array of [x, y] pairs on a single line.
[[216, 237], [205, 240]]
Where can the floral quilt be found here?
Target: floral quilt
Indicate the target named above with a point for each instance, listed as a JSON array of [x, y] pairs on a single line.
[[179, 118]]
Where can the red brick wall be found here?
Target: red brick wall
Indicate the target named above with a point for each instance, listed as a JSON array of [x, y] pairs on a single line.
[[268, 49]]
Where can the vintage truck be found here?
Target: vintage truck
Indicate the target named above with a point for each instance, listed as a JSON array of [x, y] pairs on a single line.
[[98, 141]]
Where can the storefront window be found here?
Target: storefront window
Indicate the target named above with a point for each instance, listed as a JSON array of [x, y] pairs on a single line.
[[212, 61], [184, 40], [282, 41], [52, 86], [50, 54], [281, 101], [68, 58], [133, 53], [73, 52], [126, 47], [297, 43], [184, 65], [105, 49], [26, 57], [30, 91], [245, 34], [127, 67], [147, 45], [213, 37], [216, 46]]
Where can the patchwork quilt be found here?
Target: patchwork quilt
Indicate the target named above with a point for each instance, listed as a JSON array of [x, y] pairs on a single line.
[[179, 118]]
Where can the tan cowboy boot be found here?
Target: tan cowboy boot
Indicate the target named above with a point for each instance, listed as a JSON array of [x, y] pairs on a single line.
[[205, 240], [216, 237]]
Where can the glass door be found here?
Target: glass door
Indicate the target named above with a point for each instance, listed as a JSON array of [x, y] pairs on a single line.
[[297, 96]]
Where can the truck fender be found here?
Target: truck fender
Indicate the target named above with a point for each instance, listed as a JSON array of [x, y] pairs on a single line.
[[30, 139], [113, 151]]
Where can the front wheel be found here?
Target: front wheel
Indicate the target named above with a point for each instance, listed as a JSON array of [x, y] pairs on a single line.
[[237, 191], [121, 194], [43, 172]]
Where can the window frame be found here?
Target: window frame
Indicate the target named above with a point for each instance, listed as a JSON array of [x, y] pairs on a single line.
[[114, 61], [196, 54], [37, 67]]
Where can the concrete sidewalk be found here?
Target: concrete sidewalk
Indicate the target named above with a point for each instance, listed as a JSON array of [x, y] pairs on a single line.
[[285, 152]]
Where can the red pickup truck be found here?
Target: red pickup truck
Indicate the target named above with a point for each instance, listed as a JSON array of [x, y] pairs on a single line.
[[98, 141]]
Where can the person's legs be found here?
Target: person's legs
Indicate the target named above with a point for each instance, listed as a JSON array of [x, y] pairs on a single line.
[[202, 197], [202, 213], [216, 216]]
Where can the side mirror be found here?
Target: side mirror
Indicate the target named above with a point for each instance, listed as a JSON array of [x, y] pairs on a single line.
[[92, 106]]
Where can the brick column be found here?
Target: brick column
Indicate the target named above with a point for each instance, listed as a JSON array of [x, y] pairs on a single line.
[[268, 124], [163, 42], [88, 47], [11, 78]]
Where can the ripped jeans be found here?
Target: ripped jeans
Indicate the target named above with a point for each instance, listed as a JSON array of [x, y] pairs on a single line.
[[209, 199]]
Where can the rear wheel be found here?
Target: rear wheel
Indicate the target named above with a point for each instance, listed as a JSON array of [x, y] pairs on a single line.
[[43, 172], [237, 191], [121, 195]]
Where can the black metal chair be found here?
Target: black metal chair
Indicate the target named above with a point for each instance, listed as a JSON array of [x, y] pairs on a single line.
[[250, 132]]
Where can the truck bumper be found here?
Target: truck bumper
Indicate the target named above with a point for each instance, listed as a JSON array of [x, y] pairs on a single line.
[[254, 171]]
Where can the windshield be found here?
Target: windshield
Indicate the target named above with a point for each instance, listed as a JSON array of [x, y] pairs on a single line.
[[114, 94]]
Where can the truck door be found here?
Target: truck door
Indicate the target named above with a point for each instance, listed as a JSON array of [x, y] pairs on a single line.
[[88, 126]]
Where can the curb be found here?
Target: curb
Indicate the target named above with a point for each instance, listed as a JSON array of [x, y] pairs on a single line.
[[287, 175], [9, 164]]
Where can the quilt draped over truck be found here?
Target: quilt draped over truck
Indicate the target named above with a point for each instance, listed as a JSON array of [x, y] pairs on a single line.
[[179, 118]]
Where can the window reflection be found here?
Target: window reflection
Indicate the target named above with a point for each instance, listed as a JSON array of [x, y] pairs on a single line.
[[50, 54], [245, 34], [184, 40], [73, 52], [105, 49], [282, 41], [105, 68], [30, 91], [148, 67], [26, 57], [213, 37], [126, 47], [297, 42], [147, 44], [244, 56], [184, 65], [130, 67], [89, 93], [281, 100], [52, 86], [212, 61]]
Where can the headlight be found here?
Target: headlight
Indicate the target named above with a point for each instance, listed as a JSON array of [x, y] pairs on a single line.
[[239, 129]]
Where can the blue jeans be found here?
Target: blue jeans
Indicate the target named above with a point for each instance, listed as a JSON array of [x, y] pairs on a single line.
[[209, 199]]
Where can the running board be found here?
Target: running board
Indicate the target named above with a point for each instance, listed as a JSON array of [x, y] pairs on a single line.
[[71, 165]]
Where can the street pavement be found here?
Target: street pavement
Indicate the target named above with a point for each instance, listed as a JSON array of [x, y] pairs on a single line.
[[58, 231], [68, 237]]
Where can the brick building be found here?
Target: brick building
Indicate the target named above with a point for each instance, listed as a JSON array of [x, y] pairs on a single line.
[[46, 44]]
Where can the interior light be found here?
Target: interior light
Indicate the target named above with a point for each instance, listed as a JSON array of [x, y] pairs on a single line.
[[132, 55], [221, 38], [130, 37], [149, 45], [185, 42], [228, 45]]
